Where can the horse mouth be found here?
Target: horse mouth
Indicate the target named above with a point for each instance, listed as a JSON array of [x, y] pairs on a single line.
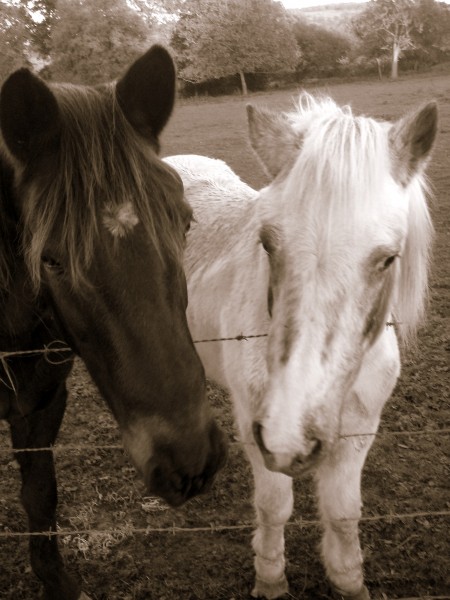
[[177, 489], [290, 464], [295, 469], [177, 484]]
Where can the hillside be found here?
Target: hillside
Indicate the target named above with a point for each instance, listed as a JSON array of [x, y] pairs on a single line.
[[336, 17]]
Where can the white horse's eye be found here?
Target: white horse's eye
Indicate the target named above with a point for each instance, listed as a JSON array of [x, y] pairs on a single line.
[[388, 262], [266, 247]]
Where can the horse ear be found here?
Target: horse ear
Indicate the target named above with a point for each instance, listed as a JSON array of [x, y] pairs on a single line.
[[146, 93], [411, 140], [29, 115], [272, 138]]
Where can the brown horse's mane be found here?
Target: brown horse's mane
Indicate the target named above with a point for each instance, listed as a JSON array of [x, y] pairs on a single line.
[[9, 245], [101, 162]]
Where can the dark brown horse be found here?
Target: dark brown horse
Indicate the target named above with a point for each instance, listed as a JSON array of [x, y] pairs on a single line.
[[92, 234]]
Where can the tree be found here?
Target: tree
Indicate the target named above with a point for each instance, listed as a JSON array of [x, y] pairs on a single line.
[[40, 17], [322, 50], [386, 25], [94, 40], [431, 33], [164, 10], [216, 39], [13, 38]]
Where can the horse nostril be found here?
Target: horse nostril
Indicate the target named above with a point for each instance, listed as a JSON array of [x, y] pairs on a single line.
[[313, 452], [316, 447], [257, 434]]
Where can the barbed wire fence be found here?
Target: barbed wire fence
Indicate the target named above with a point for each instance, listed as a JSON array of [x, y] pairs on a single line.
[[66, 352]]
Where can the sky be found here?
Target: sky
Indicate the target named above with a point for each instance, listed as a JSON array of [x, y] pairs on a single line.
[[308, 3]]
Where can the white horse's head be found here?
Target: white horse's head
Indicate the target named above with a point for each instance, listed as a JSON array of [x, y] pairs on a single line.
[[347, 232]]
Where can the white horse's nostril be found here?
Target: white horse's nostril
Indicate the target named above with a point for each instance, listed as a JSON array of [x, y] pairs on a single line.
[[314, 449], [257, 434]]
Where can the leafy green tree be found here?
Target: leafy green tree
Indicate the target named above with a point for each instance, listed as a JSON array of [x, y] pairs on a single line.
[[386, 26], [94, 40], [215, 39], [322, 50]]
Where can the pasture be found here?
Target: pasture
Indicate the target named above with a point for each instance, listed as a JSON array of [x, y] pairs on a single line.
[[131, 547]]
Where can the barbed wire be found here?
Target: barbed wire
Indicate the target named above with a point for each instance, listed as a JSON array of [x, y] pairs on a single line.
[[46, 351], [94, 447], [213, 528], [49, 348]]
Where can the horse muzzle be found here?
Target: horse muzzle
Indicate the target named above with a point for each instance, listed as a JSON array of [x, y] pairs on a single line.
[[293, 464], [176, 480]]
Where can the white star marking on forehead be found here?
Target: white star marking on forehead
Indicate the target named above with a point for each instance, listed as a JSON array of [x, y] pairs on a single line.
[[120, 220]]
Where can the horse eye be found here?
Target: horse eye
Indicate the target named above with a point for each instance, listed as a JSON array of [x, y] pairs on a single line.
[[388, 262], [50, 262], [266, 247], [265, 243]]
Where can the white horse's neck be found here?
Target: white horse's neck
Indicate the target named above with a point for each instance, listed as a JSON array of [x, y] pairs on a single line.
[[226, 228]]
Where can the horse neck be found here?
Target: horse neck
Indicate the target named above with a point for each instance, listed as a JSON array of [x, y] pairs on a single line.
[[18, 302], [227, 270]]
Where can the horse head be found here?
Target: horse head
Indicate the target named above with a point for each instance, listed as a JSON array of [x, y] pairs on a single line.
[[346, 230], [102, 222]]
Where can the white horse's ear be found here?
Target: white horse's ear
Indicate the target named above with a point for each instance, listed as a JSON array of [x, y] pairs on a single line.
[[272, 138], [411, 140]]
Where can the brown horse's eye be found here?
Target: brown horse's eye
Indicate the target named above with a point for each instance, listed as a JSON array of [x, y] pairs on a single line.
[[50, 262]]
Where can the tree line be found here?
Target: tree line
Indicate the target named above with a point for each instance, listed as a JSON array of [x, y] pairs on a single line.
[[218, 44]]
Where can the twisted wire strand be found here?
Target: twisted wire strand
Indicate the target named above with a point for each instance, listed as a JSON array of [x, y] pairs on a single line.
[[49, 348], [213, 528], [93, 447]]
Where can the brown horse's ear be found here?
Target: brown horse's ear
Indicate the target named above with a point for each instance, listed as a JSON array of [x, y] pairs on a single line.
[[272, 138], [29, 115], [411, 140], [146, 93]]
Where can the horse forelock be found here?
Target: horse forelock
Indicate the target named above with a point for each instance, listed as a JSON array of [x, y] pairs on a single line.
[[102, 165], [341, 162], [338, 181]]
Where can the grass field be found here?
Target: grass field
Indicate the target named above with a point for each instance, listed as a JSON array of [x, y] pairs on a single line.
[[405, 557]]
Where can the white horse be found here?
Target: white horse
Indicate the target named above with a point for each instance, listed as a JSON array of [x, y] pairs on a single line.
[[321, 260]]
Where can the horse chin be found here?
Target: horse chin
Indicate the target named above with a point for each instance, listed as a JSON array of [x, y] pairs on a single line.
[[291, 468], [173, 487]]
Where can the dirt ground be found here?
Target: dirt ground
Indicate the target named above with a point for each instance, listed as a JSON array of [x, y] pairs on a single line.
[[405, 557]]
